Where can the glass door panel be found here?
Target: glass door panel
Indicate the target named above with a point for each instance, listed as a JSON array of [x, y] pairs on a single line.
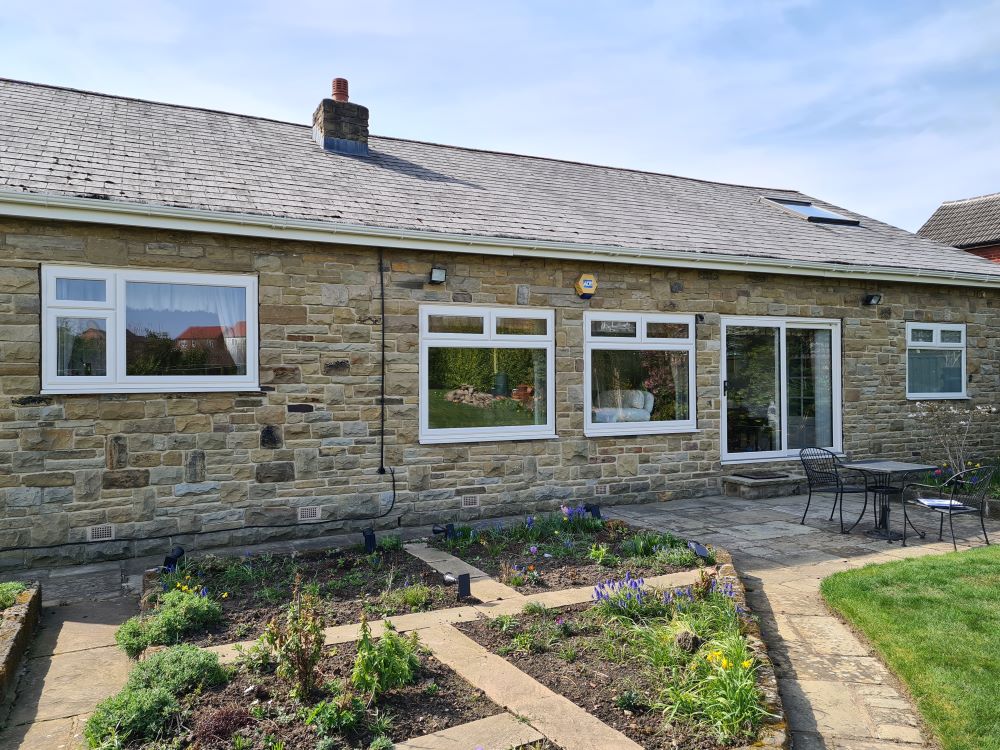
[[753, 389], [809, 362]]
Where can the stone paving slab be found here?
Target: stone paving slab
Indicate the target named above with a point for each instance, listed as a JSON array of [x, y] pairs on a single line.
[[558, 718], [500, 732], [55, 734], [483, 587]]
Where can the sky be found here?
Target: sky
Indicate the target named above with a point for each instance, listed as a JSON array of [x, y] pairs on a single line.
[[886, 108]]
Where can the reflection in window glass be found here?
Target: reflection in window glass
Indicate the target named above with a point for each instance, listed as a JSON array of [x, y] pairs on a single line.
[[455, 324], [951, 337], [667, 330], [613, 328], [522, 326], [809, 373], [81, 347], [922, 334], [185, 329], [934, 370], [81, 290], [639, 386], [753, 389], [485, 387]]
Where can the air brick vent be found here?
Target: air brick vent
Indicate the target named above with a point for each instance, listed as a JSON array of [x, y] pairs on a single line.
[[470, 501], [308, 513], [104, 532], [601, 489]]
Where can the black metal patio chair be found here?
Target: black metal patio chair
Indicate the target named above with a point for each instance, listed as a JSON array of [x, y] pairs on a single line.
[[824, 476], [964, 493]]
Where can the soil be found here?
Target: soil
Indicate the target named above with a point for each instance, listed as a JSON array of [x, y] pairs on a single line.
[[438, 699], [253, 590], [591, 681], [560, 571]]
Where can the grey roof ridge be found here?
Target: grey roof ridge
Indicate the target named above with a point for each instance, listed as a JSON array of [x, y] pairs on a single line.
[[970, 199], [472, 149]]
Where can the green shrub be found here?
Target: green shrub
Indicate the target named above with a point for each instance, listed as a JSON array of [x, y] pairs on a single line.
[[130, 716], [413, 597], [649, 543], [297, 644], [601, 555], [382, 742], [180, 613], [178, 669], [330, 718], [382, 665], [9, 592], [389, 543]]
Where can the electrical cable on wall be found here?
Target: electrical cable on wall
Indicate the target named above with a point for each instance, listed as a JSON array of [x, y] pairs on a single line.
[[382, 468]]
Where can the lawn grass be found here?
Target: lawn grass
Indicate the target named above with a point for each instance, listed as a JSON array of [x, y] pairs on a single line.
[[936, 622]]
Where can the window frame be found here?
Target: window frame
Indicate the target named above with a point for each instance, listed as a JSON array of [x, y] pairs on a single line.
[[938, 345], [489, 339], [113, 309], [640, 342]]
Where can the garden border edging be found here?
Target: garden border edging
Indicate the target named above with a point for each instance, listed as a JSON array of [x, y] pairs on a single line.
[[774, 734], [18, 626]]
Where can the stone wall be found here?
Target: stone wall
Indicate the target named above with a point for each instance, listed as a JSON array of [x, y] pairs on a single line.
[[162, 465]]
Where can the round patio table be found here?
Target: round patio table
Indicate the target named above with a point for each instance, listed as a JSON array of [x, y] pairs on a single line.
[[879, 474]]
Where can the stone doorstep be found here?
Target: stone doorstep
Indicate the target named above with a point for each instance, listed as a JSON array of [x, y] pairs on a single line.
[[17, 626], [500, 732]]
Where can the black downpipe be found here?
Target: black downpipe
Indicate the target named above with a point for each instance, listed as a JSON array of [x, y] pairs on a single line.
[[382, 468]]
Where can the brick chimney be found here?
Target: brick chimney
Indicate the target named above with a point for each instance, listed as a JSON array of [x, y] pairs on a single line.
[[339, 125]]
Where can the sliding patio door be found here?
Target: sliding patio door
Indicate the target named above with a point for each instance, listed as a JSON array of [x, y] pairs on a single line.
[[780, 387]]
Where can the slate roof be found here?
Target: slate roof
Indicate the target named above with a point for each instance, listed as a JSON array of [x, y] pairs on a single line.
[[74, 143], [971, 222]]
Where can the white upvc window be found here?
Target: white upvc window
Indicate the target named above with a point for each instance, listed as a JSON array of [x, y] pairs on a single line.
[[134, 331], [486, 373], [638, 374], [935, 361]]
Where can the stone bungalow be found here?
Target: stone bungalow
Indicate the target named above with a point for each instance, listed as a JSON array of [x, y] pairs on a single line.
[[220, 329]]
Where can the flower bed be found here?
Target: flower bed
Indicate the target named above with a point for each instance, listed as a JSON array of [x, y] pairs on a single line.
[[252, 590], [567, 549], [669, 669], [287, 690], [20, 609]]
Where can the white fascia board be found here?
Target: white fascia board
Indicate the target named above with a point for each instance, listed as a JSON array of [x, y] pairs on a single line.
[[89, 210]]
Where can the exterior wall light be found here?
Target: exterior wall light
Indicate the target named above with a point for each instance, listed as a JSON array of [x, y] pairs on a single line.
[[370, 543], [871, 299], [438, 275]]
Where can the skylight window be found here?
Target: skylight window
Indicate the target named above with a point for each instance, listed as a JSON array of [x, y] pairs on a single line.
[[813, 213]]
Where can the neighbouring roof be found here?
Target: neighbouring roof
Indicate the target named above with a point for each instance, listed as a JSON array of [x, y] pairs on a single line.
[[970, 222], [64, 142]]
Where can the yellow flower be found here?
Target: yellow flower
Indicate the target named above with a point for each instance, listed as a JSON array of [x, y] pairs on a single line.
[[979, 466], [177, 585], [746, 664], [187, 578], [225, 594], [726, 664]]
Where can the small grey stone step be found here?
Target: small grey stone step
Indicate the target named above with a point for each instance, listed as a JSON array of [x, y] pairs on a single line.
[[753, 488]]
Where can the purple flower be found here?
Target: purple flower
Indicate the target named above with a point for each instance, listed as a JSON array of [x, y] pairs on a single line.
[[533, 550]]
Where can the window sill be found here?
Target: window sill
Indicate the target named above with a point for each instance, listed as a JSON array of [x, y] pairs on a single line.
[[444, 439], [640, 433], [939, 397], [253, 388]]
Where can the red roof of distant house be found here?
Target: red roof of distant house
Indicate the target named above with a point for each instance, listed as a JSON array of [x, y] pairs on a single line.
[[237, 330], [200, 332]]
